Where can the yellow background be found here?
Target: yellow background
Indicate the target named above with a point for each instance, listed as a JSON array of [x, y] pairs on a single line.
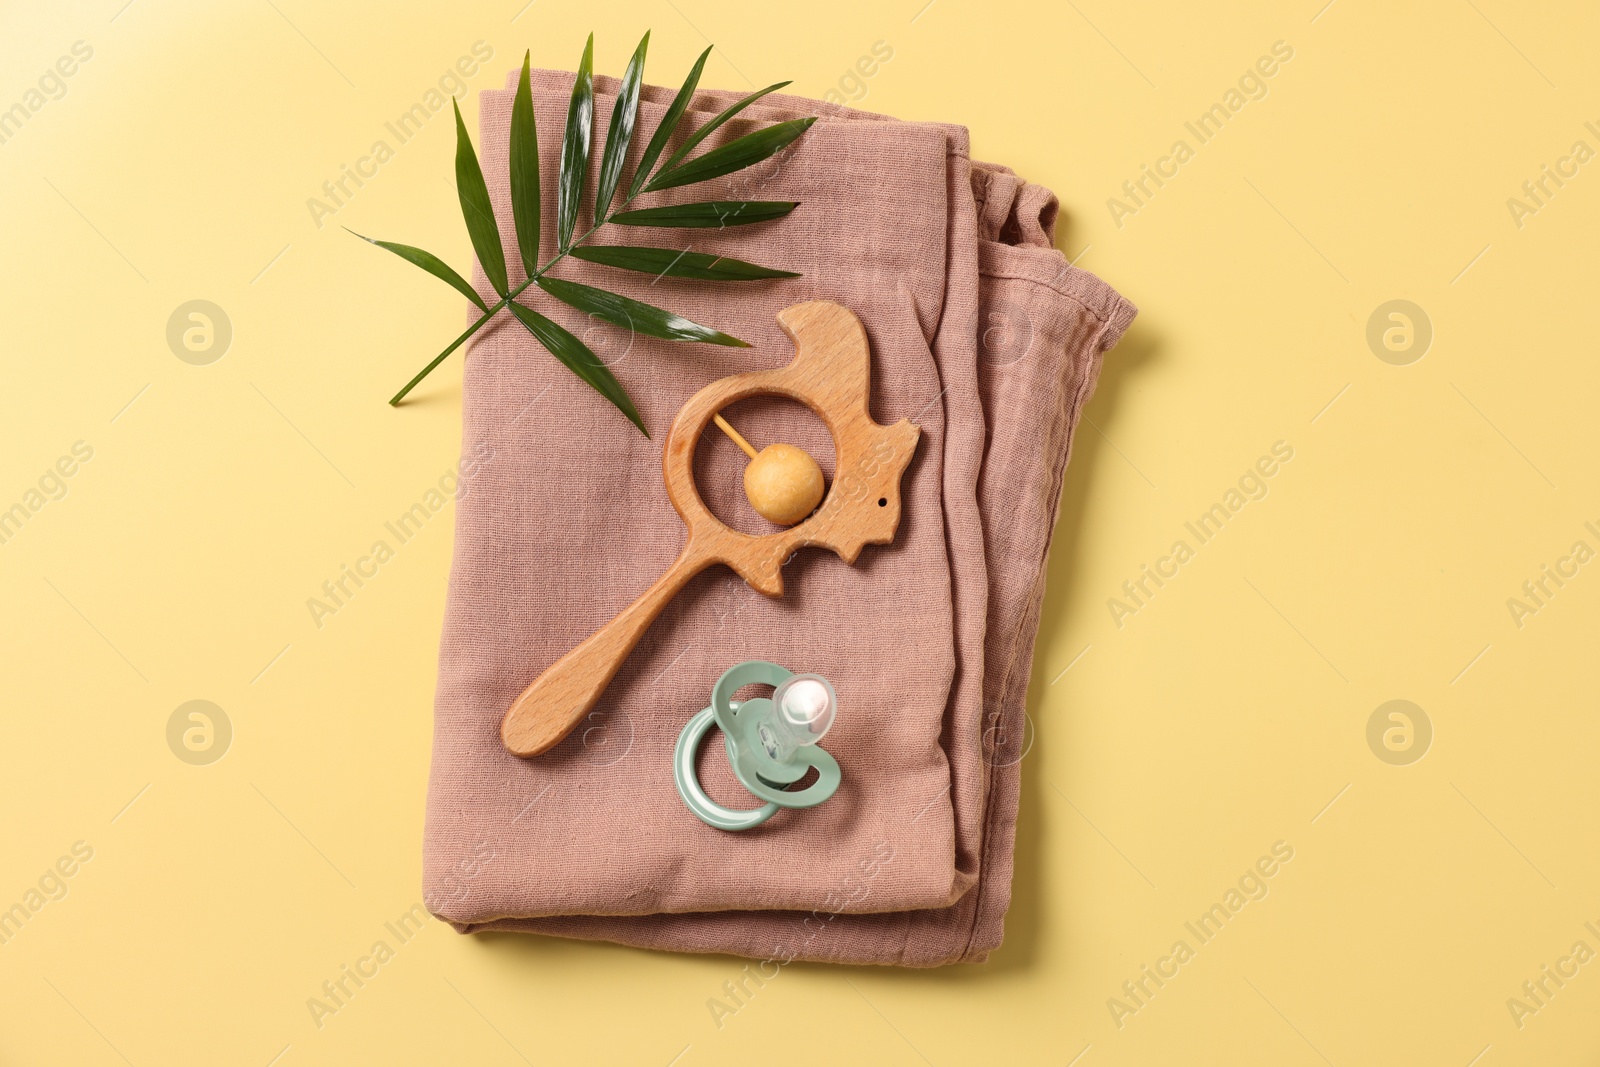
[[1229, 713]]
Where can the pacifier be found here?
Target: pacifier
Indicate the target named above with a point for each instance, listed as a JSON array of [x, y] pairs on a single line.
[[771, 743]]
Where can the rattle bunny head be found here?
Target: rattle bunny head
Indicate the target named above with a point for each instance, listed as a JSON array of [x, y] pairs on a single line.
[[830, 374]]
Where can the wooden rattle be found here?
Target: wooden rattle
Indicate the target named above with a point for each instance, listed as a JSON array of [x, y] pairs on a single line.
[[830, 374]]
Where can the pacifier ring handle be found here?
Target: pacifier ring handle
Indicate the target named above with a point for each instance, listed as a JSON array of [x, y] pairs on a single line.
[[694, 795]]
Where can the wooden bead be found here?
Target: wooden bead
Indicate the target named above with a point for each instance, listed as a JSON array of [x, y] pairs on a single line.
[[784, 484]]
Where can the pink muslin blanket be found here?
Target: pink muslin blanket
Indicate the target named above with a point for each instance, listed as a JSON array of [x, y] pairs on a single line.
[[983, 335]]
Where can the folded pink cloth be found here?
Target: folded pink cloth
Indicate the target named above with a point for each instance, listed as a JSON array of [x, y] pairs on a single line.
[[984, 336]]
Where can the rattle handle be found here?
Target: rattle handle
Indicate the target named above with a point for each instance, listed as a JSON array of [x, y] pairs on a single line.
[[571, 686]]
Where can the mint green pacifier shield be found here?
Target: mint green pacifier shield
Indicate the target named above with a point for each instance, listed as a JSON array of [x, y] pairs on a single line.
[[755, 768], [758, 772]]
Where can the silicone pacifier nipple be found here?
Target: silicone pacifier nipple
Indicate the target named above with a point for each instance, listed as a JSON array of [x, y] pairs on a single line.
[[803, 710]]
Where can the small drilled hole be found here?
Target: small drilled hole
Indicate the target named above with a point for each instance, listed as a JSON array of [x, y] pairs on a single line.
[[883, 501]]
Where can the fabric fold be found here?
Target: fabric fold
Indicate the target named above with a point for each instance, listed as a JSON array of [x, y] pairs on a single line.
[[981, 333]]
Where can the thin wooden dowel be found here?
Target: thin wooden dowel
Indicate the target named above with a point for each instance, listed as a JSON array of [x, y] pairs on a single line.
[[737, 439]]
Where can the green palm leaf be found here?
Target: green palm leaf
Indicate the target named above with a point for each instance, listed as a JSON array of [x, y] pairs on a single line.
[[579, 359], [634, 315], [525, 172], [711, 127], [623, 113], [575, 148], [738, 154], [476, 209], [677, 170], [669, 123], [430, 263], [708, 214], [672, 263]]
